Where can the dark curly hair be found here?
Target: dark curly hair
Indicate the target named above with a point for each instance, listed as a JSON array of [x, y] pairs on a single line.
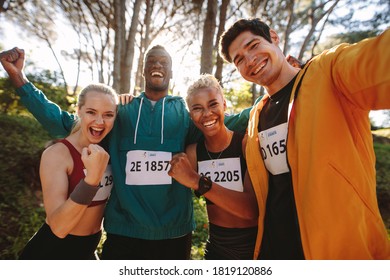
[[254, 25]]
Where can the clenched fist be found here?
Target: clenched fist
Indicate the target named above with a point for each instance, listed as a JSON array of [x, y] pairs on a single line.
[[182, 171], [95, 160], [13, 63]]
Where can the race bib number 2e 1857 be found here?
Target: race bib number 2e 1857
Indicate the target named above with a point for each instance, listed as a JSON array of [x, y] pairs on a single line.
[[148, 168]]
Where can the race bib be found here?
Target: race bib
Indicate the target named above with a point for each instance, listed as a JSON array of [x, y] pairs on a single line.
[[105, 185], [225, 172], [273, 148], [148, 168]]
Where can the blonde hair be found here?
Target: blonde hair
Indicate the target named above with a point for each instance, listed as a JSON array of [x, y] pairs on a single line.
[[204, 81], [96, 87]]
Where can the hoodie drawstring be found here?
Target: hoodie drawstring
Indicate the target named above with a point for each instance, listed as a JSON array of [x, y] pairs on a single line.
[[162, 121], [136, 126]]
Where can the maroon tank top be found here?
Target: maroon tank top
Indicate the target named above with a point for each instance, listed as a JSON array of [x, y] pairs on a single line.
[[77, 172]]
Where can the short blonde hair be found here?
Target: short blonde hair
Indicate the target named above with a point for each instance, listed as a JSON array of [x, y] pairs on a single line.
[[204, 81]]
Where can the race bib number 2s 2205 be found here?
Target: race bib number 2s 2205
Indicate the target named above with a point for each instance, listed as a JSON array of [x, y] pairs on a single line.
[[225, 172]]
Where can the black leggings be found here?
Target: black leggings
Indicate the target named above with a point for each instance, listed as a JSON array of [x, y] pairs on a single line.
[[117, 247], [230, 243], [44, 245]]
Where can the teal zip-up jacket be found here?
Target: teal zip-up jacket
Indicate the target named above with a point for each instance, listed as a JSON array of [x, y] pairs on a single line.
[[158, 211]]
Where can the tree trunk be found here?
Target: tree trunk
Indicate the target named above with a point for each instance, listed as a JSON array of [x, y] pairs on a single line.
[[120, 29], [314, 20], [221, 29], [206, 60], [290, 8], [127, 60], [145, 41]]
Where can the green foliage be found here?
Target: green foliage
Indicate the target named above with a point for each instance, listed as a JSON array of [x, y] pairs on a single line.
[[47, 81], [8, 99], [21, 213], [201, 232], [240, 98], [382, 152], [51, 84]]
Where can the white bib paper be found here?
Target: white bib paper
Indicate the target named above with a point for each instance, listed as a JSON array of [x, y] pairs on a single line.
[[148, 168], [273, 148], [105, 185], [225, 172]]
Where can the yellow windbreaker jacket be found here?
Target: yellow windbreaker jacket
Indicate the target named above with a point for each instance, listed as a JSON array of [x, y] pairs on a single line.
[[330, 152]]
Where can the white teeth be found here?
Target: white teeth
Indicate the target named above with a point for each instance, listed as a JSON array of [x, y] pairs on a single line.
[[209, 123], [261, 66], [96, 131], [157, 74]]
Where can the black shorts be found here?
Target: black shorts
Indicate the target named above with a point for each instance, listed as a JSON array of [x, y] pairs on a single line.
[[44, 245], [117, 247], [230, 243]]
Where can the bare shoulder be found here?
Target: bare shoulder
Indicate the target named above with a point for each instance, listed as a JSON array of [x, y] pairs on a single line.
[[57, 154]]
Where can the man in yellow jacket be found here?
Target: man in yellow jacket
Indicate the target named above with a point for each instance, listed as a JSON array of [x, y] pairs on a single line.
[[309, 149]]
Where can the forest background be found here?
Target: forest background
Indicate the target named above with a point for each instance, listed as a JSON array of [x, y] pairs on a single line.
[[71, 43]]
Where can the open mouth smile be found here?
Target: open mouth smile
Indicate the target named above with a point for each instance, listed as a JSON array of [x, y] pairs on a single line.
[[157, 74], [260, 67], [209, 123], [96, 131]]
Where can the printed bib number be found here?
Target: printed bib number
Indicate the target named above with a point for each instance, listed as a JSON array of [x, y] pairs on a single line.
[[105, 185], [273, 148], [148, 168], [225, 172]]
